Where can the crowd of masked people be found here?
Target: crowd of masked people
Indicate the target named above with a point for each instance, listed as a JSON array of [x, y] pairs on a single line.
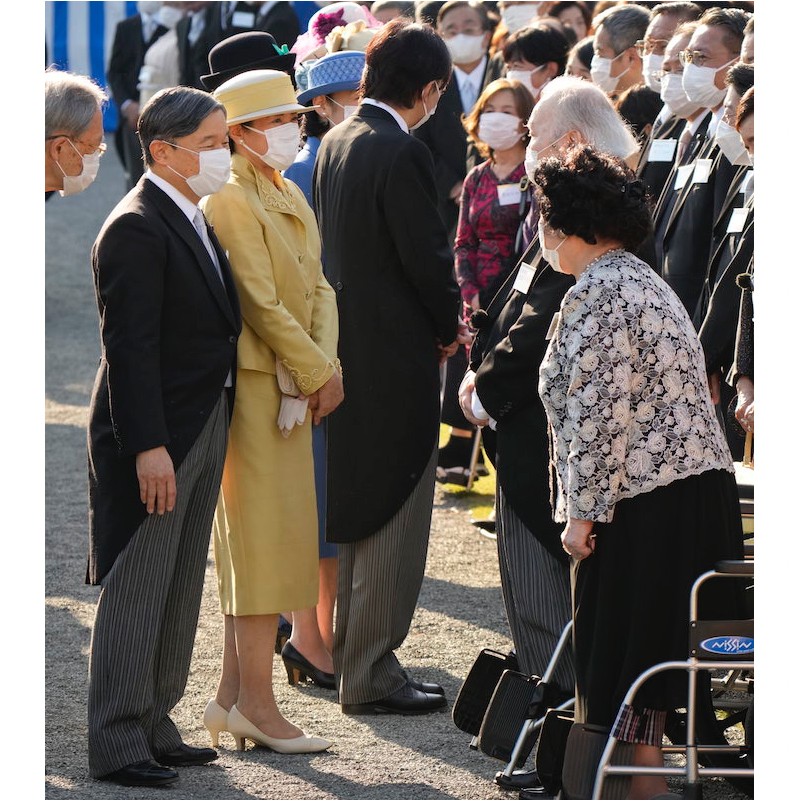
[[531, 222]]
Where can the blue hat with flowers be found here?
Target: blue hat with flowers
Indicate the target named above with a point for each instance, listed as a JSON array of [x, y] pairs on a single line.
[[337, 72]]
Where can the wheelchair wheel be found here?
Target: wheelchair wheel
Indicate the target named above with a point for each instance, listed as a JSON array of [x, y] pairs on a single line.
[[718, 722]]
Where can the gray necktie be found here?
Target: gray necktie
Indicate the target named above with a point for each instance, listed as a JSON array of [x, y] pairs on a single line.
[[202, 232]]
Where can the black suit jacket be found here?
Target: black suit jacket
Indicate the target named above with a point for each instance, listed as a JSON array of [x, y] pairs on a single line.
[[127, 56], [388, 259], [193, 58], [654, 174], [447, 140], [168, 332], [505, 357]]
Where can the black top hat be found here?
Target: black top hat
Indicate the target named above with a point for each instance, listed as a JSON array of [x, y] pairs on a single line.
[[243, 52]]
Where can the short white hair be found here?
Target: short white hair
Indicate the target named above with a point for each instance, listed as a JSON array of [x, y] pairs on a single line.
[[568, 103], [70, 103]]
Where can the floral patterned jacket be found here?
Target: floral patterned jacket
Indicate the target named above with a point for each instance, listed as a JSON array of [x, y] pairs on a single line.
[[624, 386]]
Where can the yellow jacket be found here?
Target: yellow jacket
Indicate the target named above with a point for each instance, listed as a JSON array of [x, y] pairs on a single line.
[[289, 309]]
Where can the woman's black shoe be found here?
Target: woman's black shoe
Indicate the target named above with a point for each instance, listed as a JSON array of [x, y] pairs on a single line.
[[299, 668], [284, 633]]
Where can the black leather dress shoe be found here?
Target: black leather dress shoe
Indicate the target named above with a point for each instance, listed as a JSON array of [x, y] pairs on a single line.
[[142, 773], [519, 779], [187, 756], [423, 686], [406, 700]]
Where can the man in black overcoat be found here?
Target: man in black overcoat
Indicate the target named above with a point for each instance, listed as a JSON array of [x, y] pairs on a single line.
[[388, 259], [158, 422]]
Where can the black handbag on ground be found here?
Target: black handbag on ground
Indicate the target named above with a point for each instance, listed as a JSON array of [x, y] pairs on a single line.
[[478, 687]]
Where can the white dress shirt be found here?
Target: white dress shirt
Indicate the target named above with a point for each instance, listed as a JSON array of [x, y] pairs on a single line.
[[469, 84], [400, 121]]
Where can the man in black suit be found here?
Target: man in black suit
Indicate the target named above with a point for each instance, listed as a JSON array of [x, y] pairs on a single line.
[[684, 232], [132, 37], [192, 57], [466, 29], [504, 362], [169, 323], [388, 259]]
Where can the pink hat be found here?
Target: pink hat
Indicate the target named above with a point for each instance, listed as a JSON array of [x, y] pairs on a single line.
[[325, 20]]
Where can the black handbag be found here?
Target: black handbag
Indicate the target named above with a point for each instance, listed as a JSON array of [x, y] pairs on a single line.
[[478, 687]]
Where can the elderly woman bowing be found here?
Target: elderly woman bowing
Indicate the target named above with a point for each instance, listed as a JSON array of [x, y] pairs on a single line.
[[644, 478]]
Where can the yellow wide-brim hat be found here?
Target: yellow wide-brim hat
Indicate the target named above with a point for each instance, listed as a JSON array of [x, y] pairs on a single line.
[[258, 93]]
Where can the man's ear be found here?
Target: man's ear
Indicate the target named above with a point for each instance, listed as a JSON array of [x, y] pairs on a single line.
[[159, 151]]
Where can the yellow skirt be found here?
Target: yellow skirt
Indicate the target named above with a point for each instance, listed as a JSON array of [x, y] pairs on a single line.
[[265, 528]]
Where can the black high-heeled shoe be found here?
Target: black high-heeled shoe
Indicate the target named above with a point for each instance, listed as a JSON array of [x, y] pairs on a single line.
[[284, 632], [299, 668]]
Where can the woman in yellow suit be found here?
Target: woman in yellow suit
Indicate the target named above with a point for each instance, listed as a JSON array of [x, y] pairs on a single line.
[[265, 532]]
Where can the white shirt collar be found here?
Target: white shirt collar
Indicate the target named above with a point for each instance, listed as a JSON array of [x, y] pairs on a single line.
[[475, 77], [663, 115], [400, 121], [181, 200], [695, 123], [714, 121]]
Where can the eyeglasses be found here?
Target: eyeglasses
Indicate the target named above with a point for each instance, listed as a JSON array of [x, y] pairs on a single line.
[[644, 47], [692, 57], [100, 149]]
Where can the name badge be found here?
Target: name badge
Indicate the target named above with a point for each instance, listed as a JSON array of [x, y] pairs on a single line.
[[682, 176], [737, 220], [243, 19], [553, 325], [662, 150], [746, 182], [508, 194], [702, 169], [524, 278]]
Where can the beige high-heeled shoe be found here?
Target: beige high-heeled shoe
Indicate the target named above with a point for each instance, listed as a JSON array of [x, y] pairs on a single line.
[[242, 729], [215, 718]]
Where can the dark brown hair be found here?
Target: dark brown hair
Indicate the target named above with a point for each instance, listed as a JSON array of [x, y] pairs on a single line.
[[746, 107], [589, 194]]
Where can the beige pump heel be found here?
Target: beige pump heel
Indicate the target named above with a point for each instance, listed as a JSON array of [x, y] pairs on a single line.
[[215, 718], [242, 729]]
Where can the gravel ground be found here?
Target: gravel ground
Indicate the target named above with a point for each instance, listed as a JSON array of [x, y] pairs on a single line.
[[460, 608]]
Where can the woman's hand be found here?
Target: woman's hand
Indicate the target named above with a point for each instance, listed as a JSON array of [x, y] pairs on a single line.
[[578, 539], [745, 404]]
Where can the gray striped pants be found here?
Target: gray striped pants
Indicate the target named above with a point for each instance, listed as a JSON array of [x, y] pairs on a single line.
[[537, 596], [379, 582], [147, 613]]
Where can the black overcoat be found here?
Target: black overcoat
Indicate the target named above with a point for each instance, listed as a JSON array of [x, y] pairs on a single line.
[[168, 332], [388, 259]]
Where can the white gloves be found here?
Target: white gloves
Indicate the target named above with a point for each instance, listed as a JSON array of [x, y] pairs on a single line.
[[293, 412], [479, 412]]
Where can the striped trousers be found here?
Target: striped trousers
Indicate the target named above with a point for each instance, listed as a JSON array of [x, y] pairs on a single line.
[[147, 613], [537, 597], [379, 582]]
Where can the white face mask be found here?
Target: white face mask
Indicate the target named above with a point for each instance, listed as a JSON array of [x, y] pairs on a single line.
[[148, 7], [169, 16], [532, 156], [464, 49], [283, 144], [428, 114], [524, 77], [550, 256], [601, 73], [698, 83], [215, 170], [500, 131], [77, 183], [651, 68], [731, 144], [516, 17], [674, 97], [348, 111]]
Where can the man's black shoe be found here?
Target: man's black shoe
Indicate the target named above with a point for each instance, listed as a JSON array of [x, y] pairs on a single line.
[[187, 756], [423, 686], [519, 779], [406, 700], [143, 773]]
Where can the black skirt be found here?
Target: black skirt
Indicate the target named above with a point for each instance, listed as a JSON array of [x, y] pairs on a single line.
[[631, 597]]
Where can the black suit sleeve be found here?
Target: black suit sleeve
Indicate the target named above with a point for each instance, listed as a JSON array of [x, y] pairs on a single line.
[[129, 264], [123, 72], [420, 237], [508, 378]]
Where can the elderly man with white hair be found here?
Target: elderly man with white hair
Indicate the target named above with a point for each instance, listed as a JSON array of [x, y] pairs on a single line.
[[73, 131], [501, 388]]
